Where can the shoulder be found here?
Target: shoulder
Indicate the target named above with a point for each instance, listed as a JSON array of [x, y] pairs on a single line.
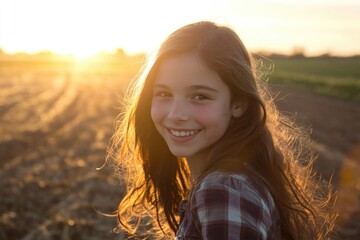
[[235, 204], [234, 185]]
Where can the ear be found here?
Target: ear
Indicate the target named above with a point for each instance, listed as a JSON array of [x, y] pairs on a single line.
[[238, 108]]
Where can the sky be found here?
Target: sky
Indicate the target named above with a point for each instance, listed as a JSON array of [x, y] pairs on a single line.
[[85, 27]]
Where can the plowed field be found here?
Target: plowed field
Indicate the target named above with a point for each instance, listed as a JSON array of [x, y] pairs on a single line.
[[55, 126]]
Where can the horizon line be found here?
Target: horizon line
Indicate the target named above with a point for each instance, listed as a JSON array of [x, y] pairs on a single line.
[[123, 52]]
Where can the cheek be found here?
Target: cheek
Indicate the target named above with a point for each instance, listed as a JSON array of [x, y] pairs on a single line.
[[213, 116], [157, 112], [204, 115]]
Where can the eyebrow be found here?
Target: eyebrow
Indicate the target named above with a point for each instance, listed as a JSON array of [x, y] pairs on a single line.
[[195, 87], [160, 86], [202, 87]]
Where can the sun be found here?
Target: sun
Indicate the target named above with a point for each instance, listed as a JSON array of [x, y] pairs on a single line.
[[84, 28], [83, 55], [76, 50]]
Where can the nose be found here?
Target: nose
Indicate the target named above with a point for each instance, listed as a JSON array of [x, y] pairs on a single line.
[[178, 110]]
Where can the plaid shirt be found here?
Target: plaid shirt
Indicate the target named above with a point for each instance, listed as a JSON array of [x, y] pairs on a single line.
[[229, 206]]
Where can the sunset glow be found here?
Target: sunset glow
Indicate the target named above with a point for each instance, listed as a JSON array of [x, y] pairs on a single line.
[[84, 28]]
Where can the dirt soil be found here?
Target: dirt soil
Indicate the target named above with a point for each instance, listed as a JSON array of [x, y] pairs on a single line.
[[335, 138], [55, 129]]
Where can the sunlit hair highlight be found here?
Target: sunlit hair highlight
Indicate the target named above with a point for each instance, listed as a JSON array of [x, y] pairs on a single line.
[[261, 142]]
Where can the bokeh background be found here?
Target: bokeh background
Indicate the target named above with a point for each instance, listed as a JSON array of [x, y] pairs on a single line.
[[64, 67]]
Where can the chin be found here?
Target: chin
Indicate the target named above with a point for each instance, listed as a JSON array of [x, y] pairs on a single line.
[[181, 154]]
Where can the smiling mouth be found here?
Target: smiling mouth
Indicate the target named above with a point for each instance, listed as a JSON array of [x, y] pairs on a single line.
[[183, 133]]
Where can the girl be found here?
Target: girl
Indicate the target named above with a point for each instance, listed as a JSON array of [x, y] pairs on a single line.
[[205, 154]]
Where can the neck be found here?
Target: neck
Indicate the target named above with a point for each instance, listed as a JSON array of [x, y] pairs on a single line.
[[197, 163], [196, 166], [195, 170]]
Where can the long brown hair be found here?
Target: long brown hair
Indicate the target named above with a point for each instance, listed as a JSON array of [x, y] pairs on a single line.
[[261, 142]]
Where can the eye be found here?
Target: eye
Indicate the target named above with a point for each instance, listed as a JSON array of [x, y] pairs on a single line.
[[162, 94], [200, 97]]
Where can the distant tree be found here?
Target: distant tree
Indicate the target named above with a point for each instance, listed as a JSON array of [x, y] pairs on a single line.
[[278, 55], [325, 55], [298, 51], [120, 52], [43, 55]]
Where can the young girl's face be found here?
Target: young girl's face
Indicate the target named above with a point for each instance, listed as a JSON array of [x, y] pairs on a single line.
[[191, 106]]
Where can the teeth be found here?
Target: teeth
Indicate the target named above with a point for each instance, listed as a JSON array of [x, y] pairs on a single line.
[[183, 133]]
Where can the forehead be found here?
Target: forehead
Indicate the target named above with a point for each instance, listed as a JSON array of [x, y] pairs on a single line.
[[187, 69]]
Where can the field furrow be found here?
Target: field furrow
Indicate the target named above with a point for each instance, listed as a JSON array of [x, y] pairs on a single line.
[[56, 124]]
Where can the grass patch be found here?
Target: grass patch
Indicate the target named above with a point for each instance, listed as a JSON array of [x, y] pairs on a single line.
[[334, 77]]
